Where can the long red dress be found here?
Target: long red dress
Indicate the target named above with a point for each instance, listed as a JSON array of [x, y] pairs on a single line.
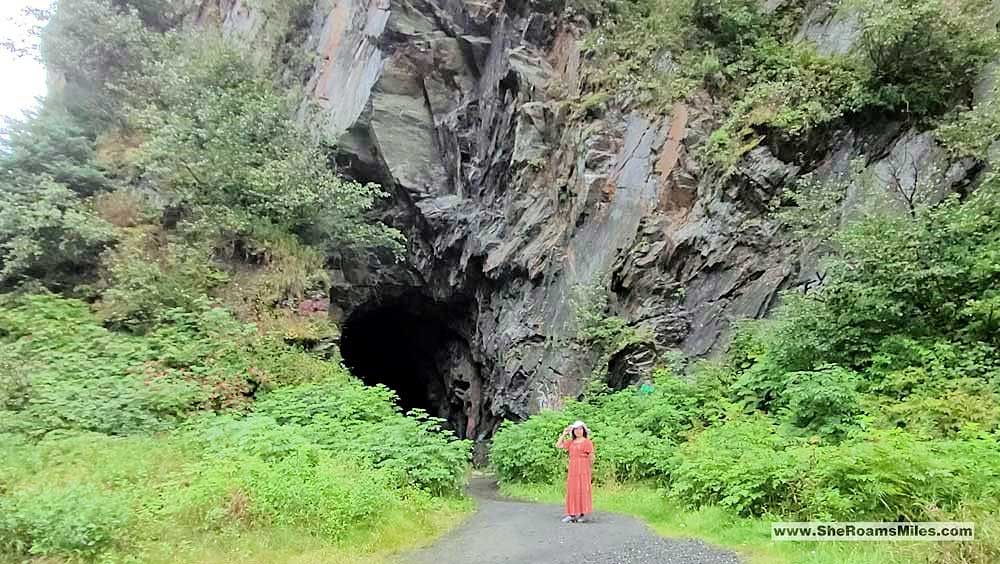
[[578, 496]]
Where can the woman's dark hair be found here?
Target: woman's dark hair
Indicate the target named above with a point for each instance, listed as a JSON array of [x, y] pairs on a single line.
[[573, 432]]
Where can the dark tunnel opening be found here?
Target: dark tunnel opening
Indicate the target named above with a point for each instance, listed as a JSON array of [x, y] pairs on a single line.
[[418, 356]]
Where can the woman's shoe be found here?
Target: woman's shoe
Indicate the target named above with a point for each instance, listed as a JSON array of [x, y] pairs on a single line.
[[579, 519], [569, 519]]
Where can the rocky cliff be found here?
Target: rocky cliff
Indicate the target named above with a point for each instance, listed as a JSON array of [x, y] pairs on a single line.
[[511, 195]]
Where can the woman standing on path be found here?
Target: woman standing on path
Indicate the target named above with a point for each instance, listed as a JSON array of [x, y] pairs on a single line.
[[575, 439]]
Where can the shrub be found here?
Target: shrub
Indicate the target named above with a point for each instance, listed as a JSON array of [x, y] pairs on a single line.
[[634, 432], [68, 521], [349, 418], [103, 49], [52, 144], [284, 271], [924, 52], [893, 475], [525, 452], [742, 465], [792, 92], [825, 401], [47, 233], [971, 132], [151, 273], [258, 472], [225, 145], [81, 375]]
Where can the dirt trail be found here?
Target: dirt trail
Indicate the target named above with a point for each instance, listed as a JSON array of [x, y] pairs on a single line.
[[515, 532]]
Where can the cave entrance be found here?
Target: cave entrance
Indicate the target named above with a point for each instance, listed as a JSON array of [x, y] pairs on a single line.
[[416, 353]]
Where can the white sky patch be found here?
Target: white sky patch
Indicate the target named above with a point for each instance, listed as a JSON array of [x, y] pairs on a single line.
[[22, 79]]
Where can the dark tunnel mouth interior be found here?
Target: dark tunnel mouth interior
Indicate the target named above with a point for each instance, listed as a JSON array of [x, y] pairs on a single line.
[[405, 350]]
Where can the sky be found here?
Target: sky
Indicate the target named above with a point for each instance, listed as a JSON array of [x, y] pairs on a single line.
[[22, 79]]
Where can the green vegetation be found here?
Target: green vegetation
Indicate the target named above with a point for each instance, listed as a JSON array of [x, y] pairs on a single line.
[[110, 440], [164, 213], [607, 335], [873, 397], [170, 402], [916, 58]]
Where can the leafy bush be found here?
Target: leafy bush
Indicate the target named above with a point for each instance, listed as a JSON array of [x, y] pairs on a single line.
[[225, 144], [924, 52], [634, 432], [793, 91], [51, 144], [971, 132], [259, 472], [219, 476], [152, 273], [81, 375], [741, 465], [84, 377], [893, 475], [524, 452], [68, 521], [47, 232], [825, 401], [364, 422], [286, 271], [104, 49]]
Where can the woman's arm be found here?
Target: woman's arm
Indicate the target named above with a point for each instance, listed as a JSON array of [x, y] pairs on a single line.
[[563, 438], [591, 454]]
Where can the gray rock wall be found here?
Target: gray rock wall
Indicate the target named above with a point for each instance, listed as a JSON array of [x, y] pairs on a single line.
[[510, 196]]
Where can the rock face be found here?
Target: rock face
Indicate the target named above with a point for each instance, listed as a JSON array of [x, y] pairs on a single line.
[[510, 195]]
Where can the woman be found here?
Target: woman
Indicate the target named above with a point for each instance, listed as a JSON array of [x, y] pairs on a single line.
[[575, 439]]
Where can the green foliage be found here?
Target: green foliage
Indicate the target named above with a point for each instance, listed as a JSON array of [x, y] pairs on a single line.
[[971, 132], [728, 22], [102, 49], [51, 144], [225, 144], [286, 272], [914, 56], [47, 233], [607, 334], [792, 91], [741, 465], [91, 497], [80, 376], [749, 467], [825, 401], [67, 521], [259, 472], [815, 215], [634, 432], [151, 274], [923, 53], [893, 475], [364, 422], [525, 453]]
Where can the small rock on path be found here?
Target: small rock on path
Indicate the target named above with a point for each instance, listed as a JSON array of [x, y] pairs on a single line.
[[505, 531]]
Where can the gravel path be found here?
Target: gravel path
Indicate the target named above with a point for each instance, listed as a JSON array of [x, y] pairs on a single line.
[[514, 532]]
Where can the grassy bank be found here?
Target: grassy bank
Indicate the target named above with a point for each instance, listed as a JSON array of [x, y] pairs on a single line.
[[149, 499], [749, 537], [204, 441]]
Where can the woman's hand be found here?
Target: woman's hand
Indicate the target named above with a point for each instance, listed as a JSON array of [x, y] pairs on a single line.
[[563, 437]]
